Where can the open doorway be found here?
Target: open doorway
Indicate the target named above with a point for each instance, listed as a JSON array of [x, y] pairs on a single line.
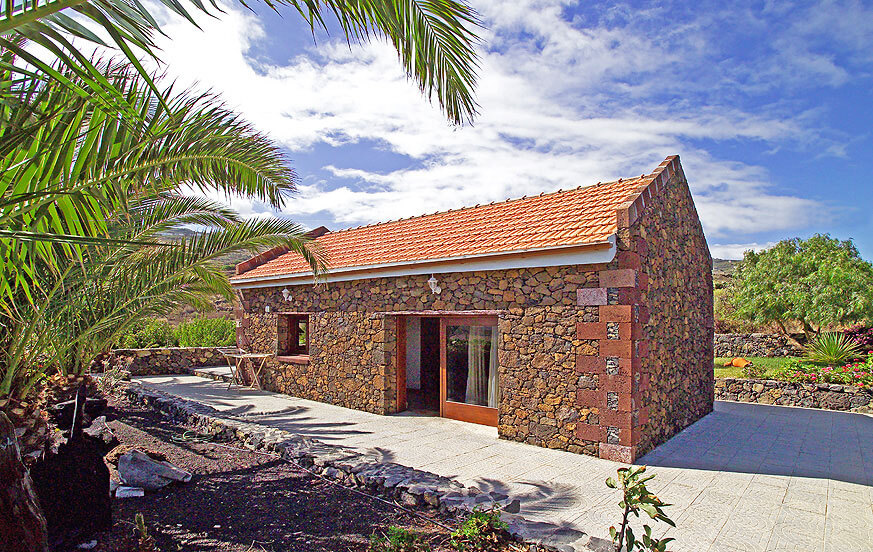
[[422, 364]]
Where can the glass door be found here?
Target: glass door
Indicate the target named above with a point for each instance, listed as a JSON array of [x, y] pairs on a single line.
[[469, 382]]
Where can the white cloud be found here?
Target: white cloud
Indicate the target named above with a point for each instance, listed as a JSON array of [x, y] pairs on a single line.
[[736, 250], [563, 105]]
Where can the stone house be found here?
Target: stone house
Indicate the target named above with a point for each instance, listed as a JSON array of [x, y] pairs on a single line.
[[578, 320]]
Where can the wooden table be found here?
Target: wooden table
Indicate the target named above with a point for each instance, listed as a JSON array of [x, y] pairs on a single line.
[[241, 359]]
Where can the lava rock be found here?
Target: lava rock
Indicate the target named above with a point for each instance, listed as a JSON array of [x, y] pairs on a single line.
[[138, 469]]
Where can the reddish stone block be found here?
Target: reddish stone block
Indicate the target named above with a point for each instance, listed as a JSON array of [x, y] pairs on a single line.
[[588, 363], [620, 383], [588, 297], [628, 259], [588, 432], [643, 314], [618, 453], [642, 246], [620, 348], [638, 331], [644, 383], [643, 281], [642, 348], [643, 416], [618, 278], [628, 296], [591, 330], [592, 398], [616, 313], [622, 419], [626, 402]]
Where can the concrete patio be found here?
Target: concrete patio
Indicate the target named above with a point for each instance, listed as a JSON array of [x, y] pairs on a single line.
[[745, 478]]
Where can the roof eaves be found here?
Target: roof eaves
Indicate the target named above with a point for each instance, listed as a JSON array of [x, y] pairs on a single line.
[[363, 269]]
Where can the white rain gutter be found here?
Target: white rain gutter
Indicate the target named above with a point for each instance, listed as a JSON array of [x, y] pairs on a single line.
[[565, 255]]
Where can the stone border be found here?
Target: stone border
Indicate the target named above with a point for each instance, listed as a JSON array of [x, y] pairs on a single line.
[[754, 344], [826, 396], [164, 360], [412, 488]]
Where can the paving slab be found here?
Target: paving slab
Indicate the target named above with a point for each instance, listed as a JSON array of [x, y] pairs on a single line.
[[746, 477]]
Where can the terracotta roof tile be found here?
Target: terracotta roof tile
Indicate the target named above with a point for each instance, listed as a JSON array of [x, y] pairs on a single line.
[[572, 217]]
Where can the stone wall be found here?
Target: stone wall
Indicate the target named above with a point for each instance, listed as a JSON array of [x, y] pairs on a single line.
[[607, 360], [756, 344], [648, 374], [165, 360], [830, 396], [352, 355]]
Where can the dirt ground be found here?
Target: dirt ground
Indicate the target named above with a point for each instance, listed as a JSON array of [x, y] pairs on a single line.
[[241, 501]]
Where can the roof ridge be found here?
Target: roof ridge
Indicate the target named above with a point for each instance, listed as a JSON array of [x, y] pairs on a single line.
[[478, 205]]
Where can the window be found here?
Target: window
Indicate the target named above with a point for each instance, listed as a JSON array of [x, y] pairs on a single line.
[[293, 334]]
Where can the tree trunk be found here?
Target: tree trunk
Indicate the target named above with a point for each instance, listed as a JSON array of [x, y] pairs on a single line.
[[21, 520], [788, 336]]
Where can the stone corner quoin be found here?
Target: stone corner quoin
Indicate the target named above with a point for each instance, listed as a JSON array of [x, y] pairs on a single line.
[[607, 360]]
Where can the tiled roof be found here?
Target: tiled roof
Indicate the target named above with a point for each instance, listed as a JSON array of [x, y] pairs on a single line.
[[564, 218]]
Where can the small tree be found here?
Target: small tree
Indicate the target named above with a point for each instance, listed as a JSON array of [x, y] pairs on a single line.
[[816, 282]]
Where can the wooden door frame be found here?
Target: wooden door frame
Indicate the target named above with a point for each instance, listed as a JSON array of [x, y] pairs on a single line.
[[400, 323], [459, 411]]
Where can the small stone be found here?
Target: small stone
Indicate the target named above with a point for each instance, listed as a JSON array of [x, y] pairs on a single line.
[[129, 492]]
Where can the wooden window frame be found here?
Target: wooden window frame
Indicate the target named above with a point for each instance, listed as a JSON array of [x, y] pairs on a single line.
[[293, 348]]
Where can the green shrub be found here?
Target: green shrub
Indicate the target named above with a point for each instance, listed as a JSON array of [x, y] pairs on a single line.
[[832, 348], [397, 539], [483, 530], [149, 333], [207, 332], [754, 371]]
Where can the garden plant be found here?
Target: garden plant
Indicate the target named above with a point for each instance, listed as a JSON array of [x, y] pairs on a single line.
[[635, 498]]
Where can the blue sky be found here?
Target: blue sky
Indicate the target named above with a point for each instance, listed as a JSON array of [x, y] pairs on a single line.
[[767, 103]]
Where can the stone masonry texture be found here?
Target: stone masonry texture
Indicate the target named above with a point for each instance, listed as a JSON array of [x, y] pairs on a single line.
[[829, 396], [606, 360], [756, 344], [165, 360]]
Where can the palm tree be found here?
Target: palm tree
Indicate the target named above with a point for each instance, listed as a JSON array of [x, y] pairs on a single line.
[[434, 40], [131, 176]]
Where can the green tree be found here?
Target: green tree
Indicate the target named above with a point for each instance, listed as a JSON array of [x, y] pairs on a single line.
[[817, 282]]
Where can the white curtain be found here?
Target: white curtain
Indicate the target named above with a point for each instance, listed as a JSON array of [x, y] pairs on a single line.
[[483, 386], [477, 369], [493, 379]]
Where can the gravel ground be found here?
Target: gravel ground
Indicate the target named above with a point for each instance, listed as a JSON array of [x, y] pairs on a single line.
[[241, 501]]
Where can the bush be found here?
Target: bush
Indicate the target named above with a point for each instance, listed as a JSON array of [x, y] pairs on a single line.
[[832, 348], [862, 335], [149, 333], [753, 371], [858, 374], [207, 332], [483, 530]]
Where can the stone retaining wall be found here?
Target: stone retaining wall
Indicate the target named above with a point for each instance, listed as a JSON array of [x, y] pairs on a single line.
[[165, 360], [756, 344], [829, 396]]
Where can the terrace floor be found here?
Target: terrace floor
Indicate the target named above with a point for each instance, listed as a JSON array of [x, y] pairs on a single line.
[[745, 478]]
